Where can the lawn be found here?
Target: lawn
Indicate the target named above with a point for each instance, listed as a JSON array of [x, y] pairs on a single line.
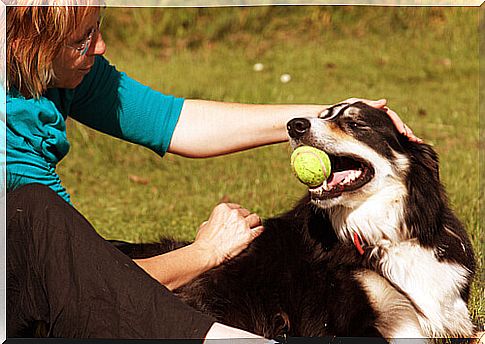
[[424, 60]]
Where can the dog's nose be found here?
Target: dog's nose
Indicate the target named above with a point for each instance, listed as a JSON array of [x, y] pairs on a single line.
[[297, 127]]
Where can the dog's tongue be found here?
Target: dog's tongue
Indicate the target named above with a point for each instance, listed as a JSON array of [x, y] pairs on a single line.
[[337, 177]]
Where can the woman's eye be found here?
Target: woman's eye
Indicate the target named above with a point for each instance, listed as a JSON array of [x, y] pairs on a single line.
[[79, 42], [82, 40]]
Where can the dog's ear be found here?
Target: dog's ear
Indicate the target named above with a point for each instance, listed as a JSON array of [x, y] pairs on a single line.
[[424, 157], [426, 195], [429, 158]]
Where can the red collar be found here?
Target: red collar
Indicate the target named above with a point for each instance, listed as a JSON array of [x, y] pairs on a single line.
[[358, 243]]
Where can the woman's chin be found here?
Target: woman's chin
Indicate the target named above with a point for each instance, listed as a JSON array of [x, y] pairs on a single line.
[[70, 84]]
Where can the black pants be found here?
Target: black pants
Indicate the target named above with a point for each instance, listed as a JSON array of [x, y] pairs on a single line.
[[60, 272]]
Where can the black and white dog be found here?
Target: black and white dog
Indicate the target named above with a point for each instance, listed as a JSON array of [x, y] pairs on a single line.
[[374, 251]]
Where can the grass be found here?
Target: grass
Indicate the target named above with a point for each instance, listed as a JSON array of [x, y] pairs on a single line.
[[424, 60]]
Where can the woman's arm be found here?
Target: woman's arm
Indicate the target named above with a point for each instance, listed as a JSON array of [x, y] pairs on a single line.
[[208, 128], [178, 267]]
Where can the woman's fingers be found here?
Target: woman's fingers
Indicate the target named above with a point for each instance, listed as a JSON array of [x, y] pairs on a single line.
[[401, 126], [229, 230], [231, 205], [244, 212], [256, 231], [253, 220]]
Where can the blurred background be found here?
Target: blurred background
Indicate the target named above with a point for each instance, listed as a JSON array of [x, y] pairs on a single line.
[[424, 60]]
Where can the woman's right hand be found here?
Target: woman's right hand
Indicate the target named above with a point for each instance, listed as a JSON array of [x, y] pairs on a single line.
[[398, 123], [229, 230]]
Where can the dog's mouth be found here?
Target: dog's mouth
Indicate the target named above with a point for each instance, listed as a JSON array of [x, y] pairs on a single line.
[[349, 173]]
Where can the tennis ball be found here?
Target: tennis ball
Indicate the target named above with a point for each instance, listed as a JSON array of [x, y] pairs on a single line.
[[310, 165]]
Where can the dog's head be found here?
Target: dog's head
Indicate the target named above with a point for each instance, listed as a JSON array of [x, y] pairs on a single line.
[[372, 169]]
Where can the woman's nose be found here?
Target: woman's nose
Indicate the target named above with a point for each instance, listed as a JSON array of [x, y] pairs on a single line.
[[99, 45]]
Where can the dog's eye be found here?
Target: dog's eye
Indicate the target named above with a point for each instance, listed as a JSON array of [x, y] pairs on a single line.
[[354, 124]]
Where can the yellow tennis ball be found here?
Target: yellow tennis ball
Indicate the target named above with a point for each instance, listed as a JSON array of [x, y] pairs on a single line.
[[310, 165]]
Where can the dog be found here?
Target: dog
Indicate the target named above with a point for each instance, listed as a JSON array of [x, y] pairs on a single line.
[[374, 251]]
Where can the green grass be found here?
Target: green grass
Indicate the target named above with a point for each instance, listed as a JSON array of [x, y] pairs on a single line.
[[424, 60]]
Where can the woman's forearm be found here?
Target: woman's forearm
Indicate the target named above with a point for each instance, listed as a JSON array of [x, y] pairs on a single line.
[[178, 267], [208, 128]]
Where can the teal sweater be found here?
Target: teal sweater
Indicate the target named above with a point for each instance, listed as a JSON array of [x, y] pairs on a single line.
[[106, 100]]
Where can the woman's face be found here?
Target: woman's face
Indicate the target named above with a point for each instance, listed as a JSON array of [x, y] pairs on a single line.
[[69, 65]]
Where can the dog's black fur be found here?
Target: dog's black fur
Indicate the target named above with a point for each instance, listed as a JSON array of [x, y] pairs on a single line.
[[294, 279], [297, 278]]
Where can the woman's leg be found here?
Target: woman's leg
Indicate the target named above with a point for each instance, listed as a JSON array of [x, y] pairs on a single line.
[[61, 272]]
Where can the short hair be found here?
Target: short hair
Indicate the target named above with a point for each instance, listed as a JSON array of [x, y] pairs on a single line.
[[36, 33]]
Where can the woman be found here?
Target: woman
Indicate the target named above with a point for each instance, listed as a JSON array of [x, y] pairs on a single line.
[[60, 272]]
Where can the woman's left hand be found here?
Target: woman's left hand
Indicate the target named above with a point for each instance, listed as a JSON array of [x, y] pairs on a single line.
[[400, 125], [228, 231]]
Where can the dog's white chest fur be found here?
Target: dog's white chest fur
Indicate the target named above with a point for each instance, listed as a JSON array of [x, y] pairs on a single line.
[[375, 219], [433, 286]]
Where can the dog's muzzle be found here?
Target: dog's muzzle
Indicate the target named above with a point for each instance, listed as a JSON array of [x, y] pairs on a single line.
[[298, 127]]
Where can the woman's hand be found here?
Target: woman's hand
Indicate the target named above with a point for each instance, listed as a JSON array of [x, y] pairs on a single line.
[[229, 230], [381, 104]]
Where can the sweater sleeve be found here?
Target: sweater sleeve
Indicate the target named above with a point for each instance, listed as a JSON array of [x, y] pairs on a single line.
[[111, 102]]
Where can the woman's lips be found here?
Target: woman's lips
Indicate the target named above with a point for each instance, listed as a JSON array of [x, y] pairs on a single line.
[[85, 70]]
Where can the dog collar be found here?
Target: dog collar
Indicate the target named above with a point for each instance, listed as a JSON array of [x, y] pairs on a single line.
[[358, 243]]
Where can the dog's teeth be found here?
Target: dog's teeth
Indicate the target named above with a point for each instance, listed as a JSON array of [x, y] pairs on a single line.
[[350, 177], [327, 187], [356, 174]]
